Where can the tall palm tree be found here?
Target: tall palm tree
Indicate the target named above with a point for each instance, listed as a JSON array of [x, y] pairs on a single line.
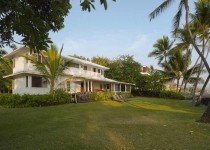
[[184, 4], [53, 65], [161, 49]]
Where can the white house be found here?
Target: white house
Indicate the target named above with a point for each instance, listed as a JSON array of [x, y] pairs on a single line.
[[81, 76]]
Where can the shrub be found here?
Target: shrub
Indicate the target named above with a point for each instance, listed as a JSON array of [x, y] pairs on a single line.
[[35, 100], [61, 97], [101, 96], [160, 94]]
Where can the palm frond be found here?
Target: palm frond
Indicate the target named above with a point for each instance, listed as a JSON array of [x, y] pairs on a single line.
[[160, 9]]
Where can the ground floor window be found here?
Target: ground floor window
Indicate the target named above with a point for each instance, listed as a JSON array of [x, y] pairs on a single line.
[[128, 88], [117, 87], [38, 81], [68, 86]]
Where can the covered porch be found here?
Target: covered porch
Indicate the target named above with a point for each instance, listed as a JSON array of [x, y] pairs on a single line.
[[91, 85]]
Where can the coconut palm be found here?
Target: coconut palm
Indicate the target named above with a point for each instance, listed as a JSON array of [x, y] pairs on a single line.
[[53, 65], [161, 49], [184, 4]]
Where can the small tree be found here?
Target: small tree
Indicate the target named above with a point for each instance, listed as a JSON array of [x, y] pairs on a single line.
[[53, 65]]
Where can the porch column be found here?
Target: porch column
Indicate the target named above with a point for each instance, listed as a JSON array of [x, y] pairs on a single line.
[[120, 88], [91, 86], [125, 88], [88, 86], [84, 86], [113, 87]]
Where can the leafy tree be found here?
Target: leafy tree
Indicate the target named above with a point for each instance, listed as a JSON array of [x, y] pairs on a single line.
[[161, 49], [33, 20], [2, 53], [5, 69], [53, 65], [153, 82], [101, 61], [124, 68]]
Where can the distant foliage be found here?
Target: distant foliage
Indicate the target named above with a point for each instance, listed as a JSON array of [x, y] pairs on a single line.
[[153, 82], [159, 94], [101, 96], [27, 100]]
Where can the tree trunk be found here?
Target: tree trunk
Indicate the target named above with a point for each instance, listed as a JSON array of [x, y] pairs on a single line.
[[177, 86], [52, 88], [181, 86], [191, 73], [205, 118], [192, 39], [202, 91]]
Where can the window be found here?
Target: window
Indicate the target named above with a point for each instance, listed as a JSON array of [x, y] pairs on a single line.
[[38, 82], [99, 70], [94, 69], [68, 86], [74, 65], [85, 68], [26, 81]]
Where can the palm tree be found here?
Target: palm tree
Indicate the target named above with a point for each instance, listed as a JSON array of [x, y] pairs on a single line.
[[184, 4], [53, 65], [174, 68], [161, 49]]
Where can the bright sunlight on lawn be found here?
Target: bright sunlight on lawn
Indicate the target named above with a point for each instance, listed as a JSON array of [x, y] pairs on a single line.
[[142, 123]]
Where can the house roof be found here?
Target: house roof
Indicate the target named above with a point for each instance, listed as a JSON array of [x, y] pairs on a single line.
[[24, 49], [21, 73], [17, 52], [18, 74], [84, 62], [103, 80]]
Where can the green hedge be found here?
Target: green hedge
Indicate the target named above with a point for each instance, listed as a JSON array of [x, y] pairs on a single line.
[[101, 96], [35, 100], [160, 94]]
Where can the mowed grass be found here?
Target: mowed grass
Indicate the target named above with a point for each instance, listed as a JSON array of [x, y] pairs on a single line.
[[143, 123]]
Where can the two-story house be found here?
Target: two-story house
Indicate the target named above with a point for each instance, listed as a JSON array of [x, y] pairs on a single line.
[[81, 76]]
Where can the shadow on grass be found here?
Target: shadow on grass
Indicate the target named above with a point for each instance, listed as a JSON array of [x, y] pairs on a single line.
[[152, 106]]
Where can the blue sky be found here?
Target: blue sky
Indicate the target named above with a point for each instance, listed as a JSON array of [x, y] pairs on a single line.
[[123, 29]]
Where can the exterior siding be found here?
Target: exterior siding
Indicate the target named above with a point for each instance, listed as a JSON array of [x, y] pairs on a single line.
[[20, 87]]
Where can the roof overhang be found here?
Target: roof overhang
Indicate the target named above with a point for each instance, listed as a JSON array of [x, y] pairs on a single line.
[[20, 74]]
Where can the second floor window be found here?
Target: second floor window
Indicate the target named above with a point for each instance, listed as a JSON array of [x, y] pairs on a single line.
[[74, 65], [85, 68], [94, 69], [99, 70]]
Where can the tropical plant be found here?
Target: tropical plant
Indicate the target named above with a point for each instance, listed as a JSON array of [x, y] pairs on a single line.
[[176, 21], [5, 69], [161, 49], [53, 66]]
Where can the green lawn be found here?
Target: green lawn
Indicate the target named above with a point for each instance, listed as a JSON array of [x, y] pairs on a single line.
[[143, 123]]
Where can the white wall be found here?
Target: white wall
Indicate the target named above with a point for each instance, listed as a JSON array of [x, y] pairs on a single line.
[[20, 87]]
